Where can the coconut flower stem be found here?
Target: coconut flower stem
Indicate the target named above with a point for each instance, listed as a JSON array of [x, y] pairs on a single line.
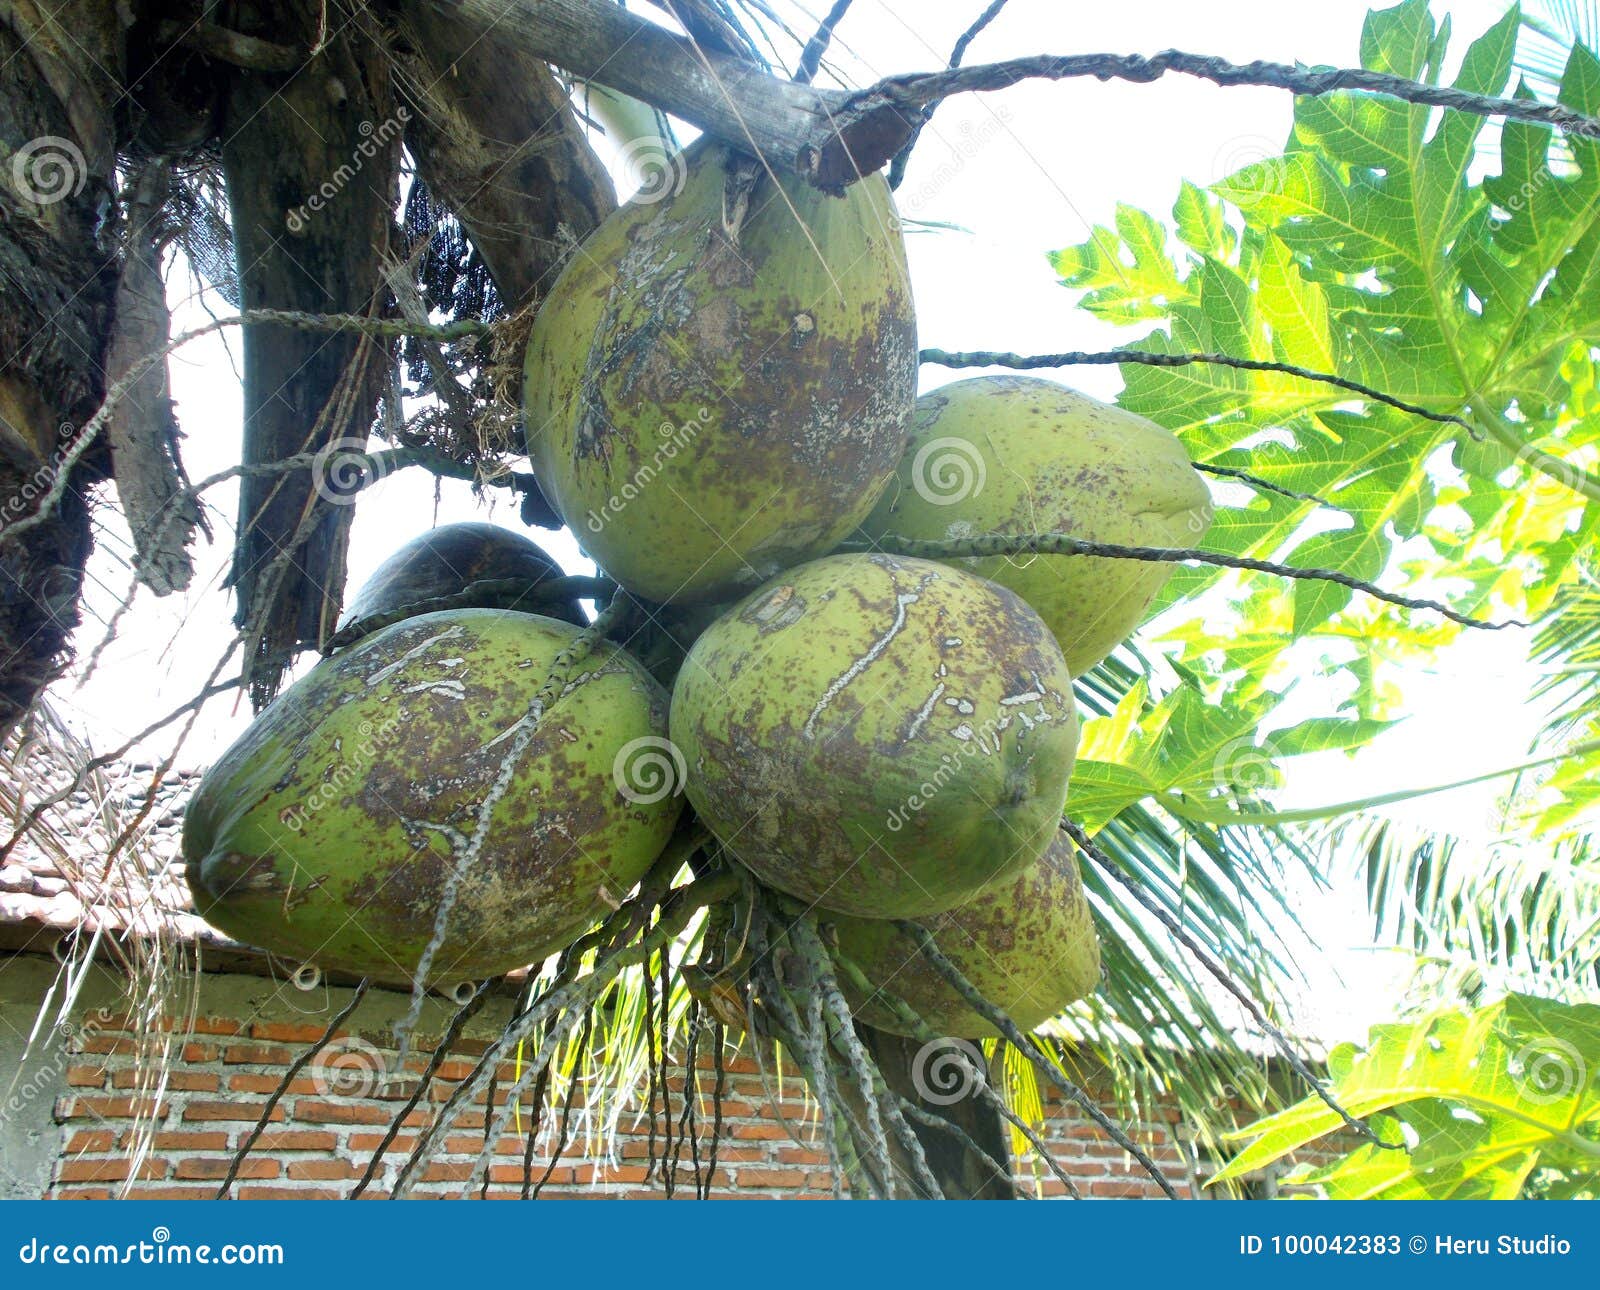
[[880, 1107], [679, 907]]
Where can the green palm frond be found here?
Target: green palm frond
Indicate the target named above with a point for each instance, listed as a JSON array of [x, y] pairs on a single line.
[[1482, 919], [1160, 1022], [1567, 648], [1550, 28]]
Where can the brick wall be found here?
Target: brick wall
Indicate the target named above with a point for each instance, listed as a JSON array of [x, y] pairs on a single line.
[[322, 1133]]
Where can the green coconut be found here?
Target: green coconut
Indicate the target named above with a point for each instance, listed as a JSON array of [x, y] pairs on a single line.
[[445, 561], [721, 381], [878, 735], [1018, 455], [1028, 943], [326, 834]]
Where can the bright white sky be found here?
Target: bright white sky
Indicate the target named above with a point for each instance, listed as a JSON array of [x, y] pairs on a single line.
[[1026, 171]]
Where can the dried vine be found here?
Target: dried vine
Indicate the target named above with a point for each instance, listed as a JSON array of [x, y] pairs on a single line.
[[1066, 544], [1154, 358], [289, 1076]]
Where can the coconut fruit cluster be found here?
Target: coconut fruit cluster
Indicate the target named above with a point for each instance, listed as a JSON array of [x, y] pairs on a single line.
[[720, 395]]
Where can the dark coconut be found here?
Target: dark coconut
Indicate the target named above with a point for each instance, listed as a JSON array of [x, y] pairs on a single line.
[[446, 561]]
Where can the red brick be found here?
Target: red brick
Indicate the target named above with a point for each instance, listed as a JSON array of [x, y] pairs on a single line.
[[177, 1081], [110, 1169], [217, 1167], [103, 1044], [608, 1173], [195, 1054], [216, 1026], [180, 1141], [172, 1193], [759, 1132], [288, 1193], [370, 1141], [755, 1176], [801, 1156], [81, 1193], [91, 1140], [107, 1108], [268, 1084], [1119, 1190], [447, 1171], [513, 1174], [727, 1155], [86, 1076], [324, 1170], [733, 1109], [316, 1112], [248, 1112], [256, 1055], [296, 1140], [286, 1032]]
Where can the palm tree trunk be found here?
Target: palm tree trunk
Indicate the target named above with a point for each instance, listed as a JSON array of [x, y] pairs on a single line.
[[59, 84], [962, 1173], [311, 159]]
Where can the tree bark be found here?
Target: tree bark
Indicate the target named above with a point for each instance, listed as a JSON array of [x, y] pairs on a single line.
[[829, 137], [311, 161], [59, 84], [497, 142]]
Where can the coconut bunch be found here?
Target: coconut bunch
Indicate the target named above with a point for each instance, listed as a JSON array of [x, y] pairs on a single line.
[[721, 405]]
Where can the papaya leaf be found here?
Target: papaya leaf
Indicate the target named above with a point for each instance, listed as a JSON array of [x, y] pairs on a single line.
[[1479, 1100]]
